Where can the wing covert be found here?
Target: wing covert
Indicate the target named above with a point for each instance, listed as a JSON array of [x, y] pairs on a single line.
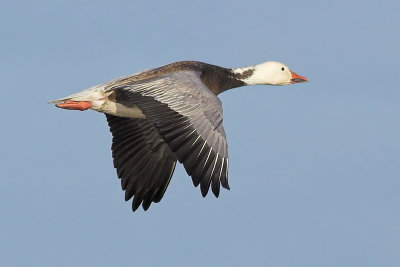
[[188, 116]]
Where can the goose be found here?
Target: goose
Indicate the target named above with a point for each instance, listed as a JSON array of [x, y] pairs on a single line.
[[168, 114]]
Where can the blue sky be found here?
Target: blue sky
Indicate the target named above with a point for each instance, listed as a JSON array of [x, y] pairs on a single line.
[[314, 168]]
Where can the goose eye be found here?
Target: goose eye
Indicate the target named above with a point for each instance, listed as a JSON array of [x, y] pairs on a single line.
[[282, 69]]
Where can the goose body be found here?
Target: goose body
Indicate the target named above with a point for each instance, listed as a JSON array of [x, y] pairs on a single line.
[[169, 114]]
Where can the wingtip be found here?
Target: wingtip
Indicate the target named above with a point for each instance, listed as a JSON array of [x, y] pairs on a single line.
[[204, 192], [145, 207], [136, 204], [225, 184]]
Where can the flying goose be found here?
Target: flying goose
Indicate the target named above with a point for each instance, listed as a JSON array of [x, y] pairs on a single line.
[[171, 113]]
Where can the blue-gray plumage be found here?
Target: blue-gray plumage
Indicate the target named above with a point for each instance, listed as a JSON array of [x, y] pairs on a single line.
[[167, 114]]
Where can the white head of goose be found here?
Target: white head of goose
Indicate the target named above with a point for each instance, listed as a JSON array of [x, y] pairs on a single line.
[[168, 114], [271, 73]]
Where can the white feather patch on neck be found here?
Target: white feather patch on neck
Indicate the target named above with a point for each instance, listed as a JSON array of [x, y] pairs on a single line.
[[242, 70]]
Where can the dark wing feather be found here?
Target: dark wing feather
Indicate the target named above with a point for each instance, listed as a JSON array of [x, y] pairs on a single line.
[[188, 116], [144, 162]]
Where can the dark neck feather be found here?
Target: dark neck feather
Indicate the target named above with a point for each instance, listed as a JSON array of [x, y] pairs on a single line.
[[217, 79]]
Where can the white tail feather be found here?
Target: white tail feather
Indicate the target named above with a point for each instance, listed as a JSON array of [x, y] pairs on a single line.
[[94, 93]]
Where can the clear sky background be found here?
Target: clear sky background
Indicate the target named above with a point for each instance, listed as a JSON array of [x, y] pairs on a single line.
[[314, 167]]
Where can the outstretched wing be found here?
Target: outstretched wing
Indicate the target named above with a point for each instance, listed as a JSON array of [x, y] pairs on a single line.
[[144, 162], [188, 116]]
